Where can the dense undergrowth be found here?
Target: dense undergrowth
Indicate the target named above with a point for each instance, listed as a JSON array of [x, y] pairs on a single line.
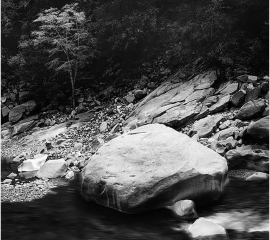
[[122, 40]]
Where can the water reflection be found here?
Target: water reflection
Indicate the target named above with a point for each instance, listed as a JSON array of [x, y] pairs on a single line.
[[243, 208]]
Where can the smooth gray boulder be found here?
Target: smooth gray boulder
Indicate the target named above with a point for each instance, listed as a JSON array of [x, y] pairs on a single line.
[[151, 167]]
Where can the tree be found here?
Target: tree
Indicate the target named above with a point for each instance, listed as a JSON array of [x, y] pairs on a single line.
[[64, 35]]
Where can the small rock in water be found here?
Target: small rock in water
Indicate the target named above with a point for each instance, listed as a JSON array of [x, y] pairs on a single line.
[[185, 209], [258, 176], [204, 227], [69, 175]]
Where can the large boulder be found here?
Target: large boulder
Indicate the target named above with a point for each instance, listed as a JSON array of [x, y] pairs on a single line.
[[151, 167]]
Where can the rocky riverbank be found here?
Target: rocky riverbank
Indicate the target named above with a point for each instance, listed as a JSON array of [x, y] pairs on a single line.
[[231, 119]]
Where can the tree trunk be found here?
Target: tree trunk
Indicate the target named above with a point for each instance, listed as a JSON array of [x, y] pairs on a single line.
[[73, 95]]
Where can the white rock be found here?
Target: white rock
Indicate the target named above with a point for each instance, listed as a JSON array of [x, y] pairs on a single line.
[[33, 164], [12, 175], [204, 227], [69, 175], [103, 126], [148, 163], [258, 176], [185, 209]]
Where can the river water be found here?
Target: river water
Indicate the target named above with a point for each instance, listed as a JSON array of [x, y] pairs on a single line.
[[243, 211]]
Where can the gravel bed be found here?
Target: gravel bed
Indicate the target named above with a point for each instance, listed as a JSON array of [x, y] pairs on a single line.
[[241, 173], [24, 192]]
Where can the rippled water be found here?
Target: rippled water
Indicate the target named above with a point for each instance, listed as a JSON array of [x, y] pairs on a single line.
[[243, 211]]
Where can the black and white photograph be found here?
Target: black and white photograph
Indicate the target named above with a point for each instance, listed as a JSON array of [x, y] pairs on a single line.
[[134, 120]]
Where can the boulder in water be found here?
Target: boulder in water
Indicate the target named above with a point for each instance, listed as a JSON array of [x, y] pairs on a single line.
[[151, 167], [258, 176], [203, 227], [185, 209]]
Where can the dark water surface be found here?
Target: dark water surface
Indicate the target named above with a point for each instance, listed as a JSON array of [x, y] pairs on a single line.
[[243, 211]]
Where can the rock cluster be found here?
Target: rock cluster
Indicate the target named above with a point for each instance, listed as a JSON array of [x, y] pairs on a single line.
[[177, 103]]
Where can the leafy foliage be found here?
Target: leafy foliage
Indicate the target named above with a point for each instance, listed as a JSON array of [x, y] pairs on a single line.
[[63, 34], [106, 39]]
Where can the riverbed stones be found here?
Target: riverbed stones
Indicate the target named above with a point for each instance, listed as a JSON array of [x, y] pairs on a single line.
[[259, 130], [231, 88], [252, 79], [12, 175], [24, 96], [242, 78], [130, 98], [103, 126], [204, 127], [253, 94], [224, 125], [203, 227], [265, 87], [248, 159], [238, 98], [221, 104], [173, 103], [5, 111], [251, 109], [52, 169], [224, 134], [140, 94], [152, 167], [22, 127], [17, 112]]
